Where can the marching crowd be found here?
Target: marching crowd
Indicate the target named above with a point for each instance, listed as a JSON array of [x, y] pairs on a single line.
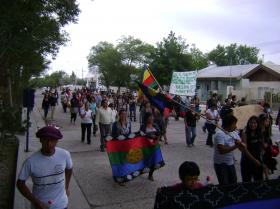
[[112, 114]]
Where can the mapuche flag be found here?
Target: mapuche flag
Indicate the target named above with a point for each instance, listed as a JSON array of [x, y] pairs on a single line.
[[130, 158]]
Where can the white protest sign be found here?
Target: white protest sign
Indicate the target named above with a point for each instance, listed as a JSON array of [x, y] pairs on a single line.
[[183, 83]]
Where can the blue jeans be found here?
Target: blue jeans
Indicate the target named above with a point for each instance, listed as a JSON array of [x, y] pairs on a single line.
[[226, 174], [190, 134]]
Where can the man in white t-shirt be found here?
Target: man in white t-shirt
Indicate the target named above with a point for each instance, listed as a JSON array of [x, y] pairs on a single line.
[[224, 145], [50, 170]]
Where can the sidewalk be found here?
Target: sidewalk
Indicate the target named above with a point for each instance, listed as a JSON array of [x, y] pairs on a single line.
[[76, 199]]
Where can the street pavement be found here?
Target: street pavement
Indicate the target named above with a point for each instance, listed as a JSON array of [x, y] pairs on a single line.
[[92, 185]]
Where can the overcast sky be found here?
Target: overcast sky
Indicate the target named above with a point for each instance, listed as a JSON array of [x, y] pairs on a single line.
[[205, 23]]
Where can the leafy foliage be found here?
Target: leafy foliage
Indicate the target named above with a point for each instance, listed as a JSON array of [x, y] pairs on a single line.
[[171, 55], [199, 60], [234, 55], [116, 64], [30, 31]]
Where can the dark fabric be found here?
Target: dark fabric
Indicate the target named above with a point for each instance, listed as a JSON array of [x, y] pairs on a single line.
[[46, 111], [211, 131], [226, 174], [151, 134], [49, 132], [116, 129], [53, 100], [190, 119], [73, 116], [86, 127], [217, 196], [249, 171], [105, 130], [157, 99], [132, 114]]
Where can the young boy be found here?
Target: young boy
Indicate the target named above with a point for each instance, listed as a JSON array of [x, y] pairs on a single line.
[[189, 173]]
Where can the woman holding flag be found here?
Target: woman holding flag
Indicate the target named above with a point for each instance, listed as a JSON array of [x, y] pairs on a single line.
[[152, 131], [122, 126]]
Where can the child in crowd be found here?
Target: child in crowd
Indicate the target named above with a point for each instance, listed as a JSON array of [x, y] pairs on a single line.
[[189, 173]]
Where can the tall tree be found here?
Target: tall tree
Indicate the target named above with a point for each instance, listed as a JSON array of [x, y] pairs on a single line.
[[134, 52], [199, 60], [31, 30], [234, 55], [171, 55], [108, 60]]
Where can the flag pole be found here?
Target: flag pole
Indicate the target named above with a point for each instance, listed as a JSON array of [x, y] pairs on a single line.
[[200, 115]]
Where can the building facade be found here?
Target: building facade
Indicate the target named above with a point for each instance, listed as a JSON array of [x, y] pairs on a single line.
[[250, 81]]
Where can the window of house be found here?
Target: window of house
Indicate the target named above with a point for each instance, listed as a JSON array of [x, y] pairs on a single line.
[[261, 91]]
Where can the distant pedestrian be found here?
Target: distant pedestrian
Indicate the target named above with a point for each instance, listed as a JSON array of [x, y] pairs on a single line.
[[191, 118], [53, 102], [212, 120], [104, 119], [93, 108], [86, 122], [74, 109], [46, 105], [50, 169], [132, 108]]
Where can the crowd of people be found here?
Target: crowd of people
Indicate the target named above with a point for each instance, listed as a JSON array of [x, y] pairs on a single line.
[[112, 114]]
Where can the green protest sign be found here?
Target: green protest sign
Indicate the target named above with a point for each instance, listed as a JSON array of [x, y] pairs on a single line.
[[183, 83]]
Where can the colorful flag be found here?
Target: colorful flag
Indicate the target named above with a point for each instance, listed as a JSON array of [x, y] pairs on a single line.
[[157, 99], [130, 158], [148, 80]]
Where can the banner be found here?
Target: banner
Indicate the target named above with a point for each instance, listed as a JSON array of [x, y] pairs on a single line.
[[256, 195], [243, 114], [183, 83], [131, 157]]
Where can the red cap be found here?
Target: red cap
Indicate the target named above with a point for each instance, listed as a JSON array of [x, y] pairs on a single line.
[[49, 132]]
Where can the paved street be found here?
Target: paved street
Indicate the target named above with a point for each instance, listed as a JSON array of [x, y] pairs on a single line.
[[93, 186]]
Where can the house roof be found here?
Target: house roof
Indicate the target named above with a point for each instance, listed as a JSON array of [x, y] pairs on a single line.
[[232, 71], [273, 66]]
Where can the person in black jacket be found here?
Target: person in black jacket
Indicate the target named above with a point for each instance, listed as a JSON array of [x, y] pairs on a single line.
[[74, 108], [191, 118], [46, 105]]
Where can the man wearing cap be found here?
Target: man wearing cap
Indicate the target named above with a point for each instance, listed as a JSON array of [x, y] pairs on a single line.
[[50, 169]]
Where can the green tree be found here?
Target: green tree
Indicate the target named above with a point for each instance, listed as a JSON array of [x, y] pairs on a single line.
[[30, 32], [171, 55], [199, 60], [234, 55], [108, 61], [134, 52]]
